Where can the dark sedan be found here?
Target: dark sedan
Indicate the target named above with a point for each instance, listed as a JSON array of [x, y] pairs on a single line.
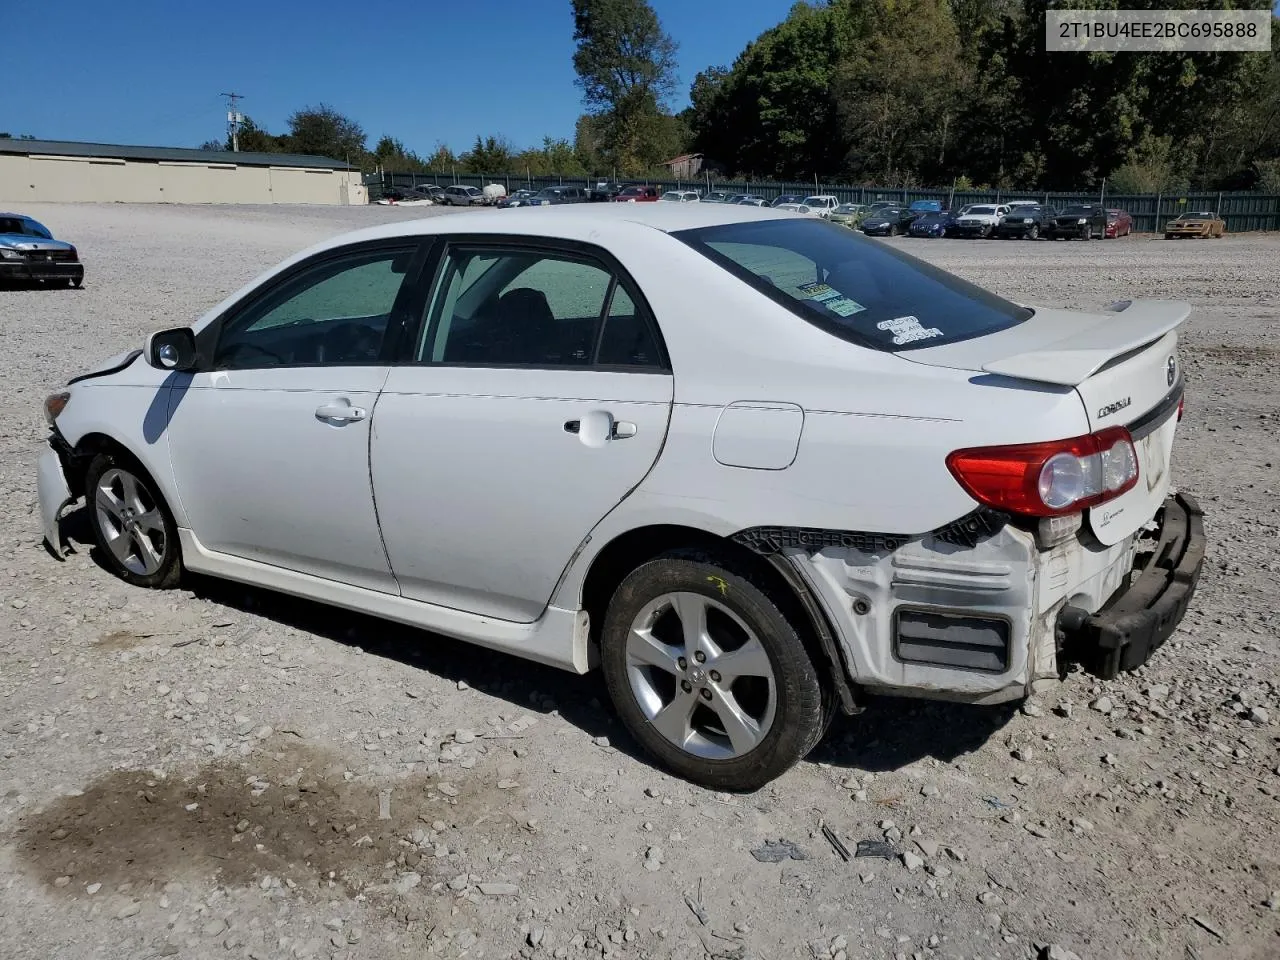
[[29, 253], [1026, 221], [1084, 221], [932, 225], [888, 222]]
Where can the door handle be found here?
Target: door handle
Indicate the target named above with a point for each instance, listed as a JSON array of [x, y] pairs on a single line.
[[622, 429], [340, 411], [572, 426]]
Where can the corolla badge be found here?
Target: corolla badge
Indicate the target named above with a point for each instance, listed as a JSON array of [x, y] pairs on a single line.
[[1116, 407], [1171, 370]]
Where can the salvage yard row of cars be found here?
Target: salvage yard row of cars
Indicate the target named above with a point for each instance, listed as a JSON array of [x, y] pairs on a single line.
[[1022, 219]]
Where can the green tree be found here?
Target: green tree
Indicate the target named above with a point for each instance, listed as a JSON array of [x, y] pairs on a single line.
[[626, 68], [489, 155], [324, 132], [391, 156], [891, 119]]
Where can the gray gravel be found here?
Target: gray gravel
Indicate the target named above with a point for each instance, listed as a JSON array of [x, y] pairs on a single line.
[[221, 772]]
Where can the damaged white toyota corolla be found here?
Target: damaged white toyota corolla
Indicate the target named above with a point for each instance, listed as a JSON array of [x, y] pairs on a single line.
[[751, 464]]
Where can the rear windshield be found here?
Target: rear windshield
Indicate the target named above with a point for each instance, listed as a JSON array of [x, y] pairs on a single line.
[[1078, 211], [982, 211], [854, 288]]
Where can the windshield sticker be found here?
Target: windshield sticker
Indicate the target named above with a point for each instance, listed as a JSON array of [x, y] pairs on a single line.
[[907, 330], [844, 306], [817, 291], [833, 300]]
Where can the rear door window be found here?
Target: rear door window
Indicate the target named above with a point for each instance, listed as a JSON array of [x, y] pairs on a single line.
[[852, 287]]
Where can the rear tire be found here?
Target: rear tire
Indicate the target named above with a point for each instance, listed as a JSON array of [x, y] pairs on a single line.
[[1034, 232], [132, 525], [723, 730]]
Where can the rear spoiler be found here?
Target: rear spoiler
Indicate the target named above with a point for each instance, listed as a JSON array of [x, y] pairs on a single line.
[[1127, 327]]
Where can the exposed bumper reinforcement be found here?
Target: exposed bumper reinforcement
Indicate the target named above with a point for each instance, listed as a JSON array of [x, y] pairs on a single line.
[[1138, 620]]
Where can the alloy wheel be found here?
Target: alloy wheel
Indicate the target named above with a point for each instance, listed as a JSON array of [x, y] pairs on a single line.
[[131, 522], [701, 677]]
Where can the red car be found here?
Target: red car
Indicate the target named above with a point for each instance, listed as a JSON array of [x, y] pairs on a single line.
[[1119, 224], [637, 195]]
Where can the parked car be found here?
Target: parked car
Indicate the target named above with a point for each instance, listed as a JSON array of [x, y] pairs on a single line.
[[1026, 220], [848, 214], [554, 196], [29, 253], [605, 190], [979, 219], [1119, 223], [638, 194], [933, 226], [1084, 221], [1023, 203], [751, 200], [888, 222], [681, 196], [520, 198], [787, 198], [796, 208], [424, 193], [1205, 223], [457, 195], [715, 197], [822, 203], [920, 207], [535, 495]]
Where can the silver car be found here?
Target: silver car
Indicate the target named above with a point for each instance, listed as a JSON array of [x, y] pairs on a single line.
[[460, 196]]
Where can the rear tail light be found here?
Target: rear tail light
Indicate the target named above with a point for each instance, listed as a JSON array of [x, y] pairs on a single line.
[[1049, 479]]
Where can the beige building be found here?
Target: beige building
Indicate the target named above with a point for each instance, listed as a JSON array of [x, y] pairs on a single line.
[[52, 170]]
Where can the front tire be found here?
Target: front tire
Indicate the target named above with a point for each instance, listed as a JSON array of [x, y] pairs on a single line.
[[1034, 232], [132, 525], [709, 674]]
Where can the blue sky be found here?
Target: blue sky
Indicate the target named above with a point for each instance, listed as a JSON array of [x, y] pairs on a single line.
[[149, 72]]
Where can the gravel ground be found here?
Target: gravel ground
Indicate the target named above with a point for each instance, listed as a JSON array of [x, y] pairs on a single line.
[[221, 771]]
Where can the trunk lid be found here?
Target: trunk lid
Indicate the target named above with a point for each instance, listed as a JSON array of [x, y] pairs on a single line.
[[1122, 362]]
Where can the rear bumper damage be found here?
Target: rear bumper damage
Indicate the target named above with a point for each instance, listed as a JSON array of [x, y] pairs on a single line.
[[1137, 621], [985, 614]]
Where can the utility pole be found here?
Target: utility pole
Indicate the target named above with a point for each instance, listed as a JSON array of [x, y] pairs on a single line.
[[234, 119]]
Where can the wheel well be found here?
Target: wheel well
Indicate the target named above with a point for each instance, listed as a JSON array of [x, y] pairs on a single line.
[[636, 547], [90, 445]]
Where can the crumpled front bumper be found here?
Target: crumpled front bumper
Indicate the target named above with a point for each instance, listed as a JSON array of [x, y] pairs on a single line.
[[1139, 618], [55, 494]]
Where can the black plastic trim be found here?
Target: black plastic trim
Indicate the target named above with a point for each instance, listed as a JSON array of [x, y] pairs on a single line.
[[965, 655], [839, 674], [131, 356], [968, 531], [1142, 615], [1151, 421]]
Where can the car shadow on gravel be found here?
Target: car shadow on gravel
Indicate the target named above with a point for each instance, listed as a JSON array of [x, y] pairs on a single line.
[[893, 732], [581, 700]]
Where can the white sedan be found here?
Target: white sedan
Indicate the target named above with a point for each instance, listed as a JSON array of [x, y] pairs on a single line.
[[752, 465]]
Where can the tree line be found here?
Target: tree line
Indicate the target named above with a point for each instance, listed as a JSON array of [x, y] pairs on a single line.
[[890, 92]]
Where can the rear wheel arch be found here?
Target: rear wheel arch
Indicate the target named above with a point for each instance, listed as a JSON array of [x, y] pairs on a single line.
[[628, 551]]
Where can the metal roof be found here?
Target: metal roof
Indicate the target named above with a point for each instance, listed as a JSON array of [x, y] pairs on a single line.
[[72, 148]]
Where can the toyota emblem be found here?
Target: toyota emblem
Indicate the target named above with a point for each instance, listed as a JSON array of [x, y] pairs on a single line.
[[1171, 371]]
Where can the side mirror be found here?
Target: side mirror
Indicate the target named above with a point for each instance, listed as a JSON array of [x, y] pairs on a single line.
[[173, 350]]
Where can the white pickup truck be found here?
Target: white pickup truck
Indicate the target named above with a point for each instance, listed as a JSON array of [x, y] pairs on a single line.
[[979, 219], [822, 204]]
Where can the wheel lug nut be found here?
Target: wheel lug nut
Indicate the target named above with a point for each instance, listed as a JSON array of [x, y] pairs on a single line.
[[700, 657], [715, 676], [706, 694], [686, 686], [682, 663]]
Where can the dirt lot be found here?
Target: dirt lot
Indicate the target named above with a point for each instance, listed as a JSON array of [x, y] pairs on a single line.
[[221, 771]]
